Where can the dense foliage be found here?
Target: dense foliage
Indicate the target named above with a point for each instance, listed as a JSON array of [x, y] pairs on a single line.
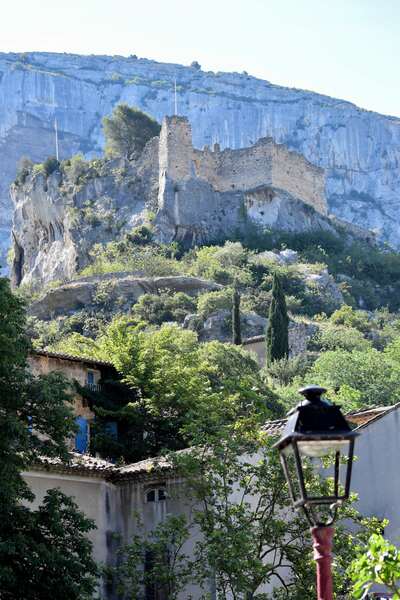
[[128, 130], [378, 563], [277, 339], [44, 553], [167, 378]]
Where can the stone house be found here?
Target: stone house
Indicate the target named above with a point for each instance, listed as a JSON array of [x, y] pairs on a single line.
[[87, 373], [112, 495]]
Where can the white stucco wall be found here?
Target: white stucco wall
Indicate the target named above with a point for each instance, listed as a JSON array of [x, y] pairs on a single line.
[[94, 496], [376, 472]]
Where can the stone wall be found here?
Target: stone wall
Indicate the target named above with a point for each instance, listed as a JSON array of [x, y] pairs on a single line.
[[263, 164], [74, 370]]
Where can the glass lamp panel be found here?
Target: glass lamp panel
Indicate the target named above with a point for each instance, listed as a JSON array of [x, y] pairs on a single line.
[[321, 448], [291, 473]]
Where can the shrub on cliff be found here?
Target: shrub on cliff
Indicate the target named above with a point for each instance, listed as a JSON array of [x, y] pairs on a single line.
[[127, 131], [158, 309]]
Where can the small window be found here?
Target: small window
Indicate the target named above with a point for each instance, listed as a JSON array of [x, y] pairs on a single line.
[[90, 378], [151, 496], [156, 495]]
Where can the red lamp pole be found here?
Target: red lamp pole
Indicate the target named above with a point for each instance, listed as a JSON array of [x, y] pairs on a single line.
[[322, 544]]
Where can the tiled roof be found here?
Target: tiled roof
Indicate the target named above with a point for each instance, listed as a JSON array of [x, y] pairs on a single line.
[[81, 359], [366, 415], [144, 467], [77, 463], [83, 464], [253, 340]]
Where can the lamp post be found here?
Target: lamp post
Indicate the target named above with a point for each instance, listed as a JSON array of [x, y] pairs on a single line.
[[316, 451]]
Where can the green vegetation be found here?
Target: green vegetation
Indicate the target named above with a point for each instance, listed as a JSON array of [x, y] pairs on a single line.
[[127, 131], [378, 563], [236, 328], [44, 552], [171, 378], [240, 546], [277, 331]]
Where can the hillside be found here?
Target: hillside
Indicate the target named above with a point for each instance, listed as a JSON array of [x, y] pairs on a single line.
[[360, 150]]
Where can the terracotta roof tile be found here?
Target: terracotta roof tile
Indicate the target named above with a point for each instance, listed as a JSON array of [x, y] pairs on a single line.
[[82, 359]]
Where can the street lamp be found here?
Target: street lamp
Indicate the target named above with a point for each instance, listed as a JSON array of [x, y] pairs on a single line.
[[316, 451]]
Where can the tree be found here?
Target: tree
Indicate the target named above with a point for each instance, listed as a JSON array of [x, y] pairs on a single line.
[[378, 563], [250, 536], [167, 568], [277, 329], [370, 373], [128, 130], [38, 548], [171, 377], [236, 330]]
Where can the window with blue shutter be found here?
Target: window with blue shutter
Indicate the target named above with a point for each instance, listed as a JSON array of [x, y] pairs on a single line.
[[81, 438]]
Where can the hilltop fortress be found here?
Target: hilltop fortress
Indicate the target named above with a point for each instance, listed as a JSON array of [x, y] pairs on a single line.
[[264, 164], [203, 194], [195, 197]]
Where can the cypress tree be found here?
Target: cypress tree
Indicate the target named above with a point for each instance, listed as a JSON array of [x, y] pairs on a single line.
[[236, 330], [277, 329]]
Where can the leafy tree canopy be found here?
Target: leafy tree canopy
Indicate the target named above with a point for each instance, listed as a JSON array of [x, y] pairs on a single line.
[[44, 552], [128, 130]]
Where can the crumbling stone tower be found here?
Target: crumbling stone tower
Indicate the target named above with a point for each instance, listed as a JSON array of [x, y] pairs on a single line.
[[204, 194]]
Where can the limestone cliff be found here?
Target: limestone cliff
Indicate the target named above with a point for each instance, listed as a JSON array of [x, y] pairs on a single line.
[[360, 150], [193, 197]]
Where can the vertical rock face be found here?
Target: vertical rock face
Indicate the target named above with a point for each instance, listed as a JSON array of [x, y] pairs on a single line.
[[360, 150]]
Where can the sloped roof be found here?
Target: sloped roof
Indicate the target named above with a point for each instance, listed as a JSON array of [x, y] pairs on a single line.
[[366, 416], [83, 464], [80, 464], [74, 358]]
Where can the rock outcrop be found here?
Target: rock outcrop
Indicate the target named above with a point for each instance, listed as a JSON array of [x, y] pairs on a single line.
[[195, 197], [122, 291], [359, 149]]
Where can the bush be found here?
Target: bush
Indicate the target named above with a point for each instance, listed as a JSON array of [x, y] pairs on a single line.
[[211, 302], [141, 235], [158, 309], [334, 337], [367, 372], [128, 130], [51, 165], [24, 169], [75, 168], [348, 317], [284, 370]]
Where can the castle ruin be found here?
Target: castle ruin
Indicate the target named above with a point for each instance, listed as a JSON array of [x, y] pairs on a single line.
[[198, 189]]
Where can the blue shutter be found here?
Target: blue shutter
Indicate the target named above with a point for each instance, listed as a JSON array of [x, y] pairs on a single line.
[[30, 428], [81, 438]]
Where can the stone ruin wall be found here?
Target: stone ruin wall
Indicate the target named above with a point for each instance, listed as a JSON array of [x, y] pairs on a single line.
[[293, 173], [265, 163]]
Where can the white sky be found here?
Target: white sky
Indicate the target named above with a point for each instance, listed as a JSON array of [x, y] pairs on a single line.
[[344, 48]]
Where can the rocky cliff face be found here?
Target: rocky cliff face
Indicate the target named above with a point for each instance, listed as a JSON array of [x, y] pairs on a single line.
[[60, 215], [359, 149]]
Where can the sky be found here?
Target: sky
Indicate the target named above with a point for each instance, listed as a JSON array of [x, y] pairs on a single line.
[[348, 49]]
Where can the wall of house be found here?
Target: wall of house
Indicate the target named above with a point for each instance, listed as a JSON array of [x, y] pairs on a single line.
[[72, 370], [137, 516], [376, 473], [94, 496]]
